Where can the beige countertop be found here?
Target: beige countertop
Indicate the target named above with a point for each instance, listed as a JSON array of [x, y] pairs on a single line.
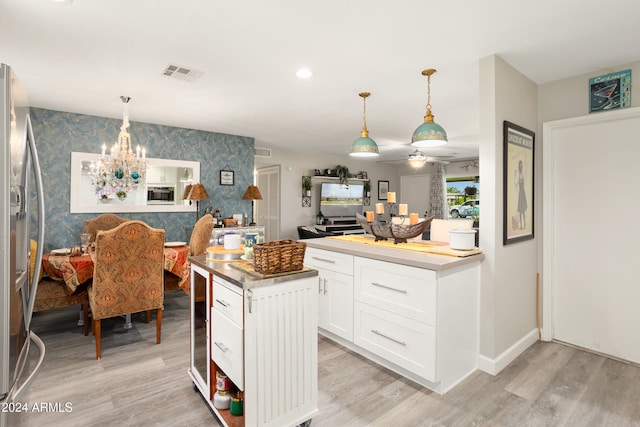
[[395, 255]]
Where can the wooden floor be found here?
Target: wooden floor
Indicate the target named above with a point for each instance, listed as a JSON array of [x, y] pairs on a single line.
[[139, 383]]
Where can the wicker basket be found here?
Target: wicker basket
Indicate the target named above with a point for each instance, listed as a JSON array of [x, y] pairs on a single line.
[[278, 256]]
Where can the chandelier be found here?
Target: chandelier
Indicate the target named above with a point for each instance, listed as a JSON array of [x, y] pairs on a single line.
[[121, 170]]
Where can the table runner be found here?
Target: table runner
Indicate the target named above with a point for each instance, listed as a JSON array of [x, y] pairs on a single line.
[[426, 246]]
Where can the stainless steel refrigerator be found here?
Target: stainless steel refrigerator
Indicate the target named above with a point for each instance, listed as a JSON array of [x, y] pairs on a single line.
[[21, 205]]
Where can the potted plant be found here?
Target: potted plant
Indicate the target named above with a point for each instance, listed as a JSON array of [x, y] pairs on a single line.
[[121, 195], [342, 172], [367, 188], [307, 185]]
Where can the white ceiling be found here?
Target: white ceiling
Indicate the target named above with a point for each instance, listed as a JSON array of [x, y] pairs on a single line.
[[81, 57]]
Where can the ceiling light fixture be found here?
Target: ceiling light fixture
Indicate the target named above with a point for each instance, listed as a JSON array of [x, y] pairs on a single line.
[[304, 73], [121, 170], [364, 146], [429, 134], [417, 159]]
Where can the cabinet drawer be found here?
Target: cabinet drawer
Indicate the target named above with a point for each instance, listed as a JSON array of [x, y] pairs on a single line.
[[329, 260], [227, 347], [404, 342], [404, 290], [228, 300]]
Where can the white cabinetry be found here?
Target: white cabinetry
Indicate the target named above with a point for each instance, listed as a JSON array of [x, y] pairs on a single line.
[[335, 290], [418, 322], [263, 336]]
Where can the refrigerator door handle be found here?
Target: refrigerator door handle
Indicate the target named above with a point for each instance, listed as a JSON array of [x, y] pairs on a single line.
[[33, 289]]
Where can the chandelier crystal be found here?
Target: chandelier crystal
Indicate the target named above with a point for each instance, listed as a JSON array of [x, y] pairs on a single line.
[[122, 169]]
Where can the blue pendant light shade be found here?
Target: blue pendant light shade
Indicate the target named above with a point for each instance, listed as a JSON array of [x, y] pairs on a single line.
[[429, 134], [364, 146]]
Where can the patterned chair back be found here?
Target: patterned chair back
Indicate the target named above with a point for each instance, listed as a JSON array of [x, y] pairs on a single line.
[[201, 235], [128, 271], [102, 222]]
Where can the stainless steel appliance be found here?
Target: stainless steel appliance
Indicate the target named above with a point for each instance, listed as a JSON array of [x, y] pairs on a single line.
[[20, 180], [161, 195]]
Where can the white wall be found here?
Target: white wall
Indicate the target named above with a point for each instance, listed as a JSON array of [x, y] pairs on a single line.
[[508, 298], [295, 164]]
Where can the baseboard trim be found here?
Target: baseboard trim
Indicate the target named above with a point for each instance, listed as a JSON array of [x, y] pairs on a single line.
[[494, 366]]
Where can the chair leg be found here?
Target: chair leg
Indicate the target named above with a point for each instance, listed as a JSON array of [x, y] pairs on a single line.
[[96, 332], [158, 325], [85, 318], [148, 316]]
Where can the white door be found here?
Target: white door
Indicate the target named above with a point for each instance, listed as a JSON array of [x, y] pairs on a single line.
[[268, 209], [415, 191], [591, 229], [335, 303]]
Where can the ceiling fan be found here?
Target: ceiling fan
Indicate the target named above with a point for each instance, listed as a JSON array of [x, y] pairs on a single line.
[[417, 159]]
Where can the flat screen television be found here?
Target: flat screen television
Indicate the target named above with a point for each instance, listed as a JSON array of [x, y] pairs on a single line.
[[340, 200]]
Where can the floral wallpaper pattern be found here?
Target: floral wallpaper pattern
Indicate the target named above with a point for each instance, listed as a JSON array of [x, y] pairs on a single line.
[[57, 134]]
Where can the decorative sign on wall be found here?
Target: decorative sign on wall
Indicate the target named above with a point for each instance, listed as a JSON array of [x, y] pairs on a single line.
[[518, 183], [610, 91]]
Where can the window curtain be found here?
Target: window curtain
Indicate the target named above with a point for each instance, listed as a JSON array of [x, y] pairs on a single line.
[[439, 192]]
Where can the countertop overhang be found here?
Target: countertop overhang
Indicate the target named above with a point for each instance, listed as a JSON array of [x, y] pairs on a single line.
[[243, 279], [398, 256]]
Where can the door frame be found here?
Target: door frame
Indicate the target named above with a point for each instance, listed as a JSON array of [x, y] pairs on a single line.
[[548, 196]]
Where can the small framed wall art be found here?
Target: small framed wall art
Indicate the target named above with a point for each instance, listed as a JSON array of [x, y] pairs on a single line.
[[610, 91], [226, 177], [383, 189]]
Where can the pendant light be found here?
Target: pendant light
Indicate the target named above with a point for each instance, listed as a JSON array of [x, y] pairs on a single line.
[[364, 146], [429, 134], [417, 159]]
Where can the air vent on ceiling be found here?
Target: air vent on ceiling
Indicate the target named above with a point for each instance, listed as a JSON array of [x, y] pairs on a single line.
[[181, 73], [262, 152]]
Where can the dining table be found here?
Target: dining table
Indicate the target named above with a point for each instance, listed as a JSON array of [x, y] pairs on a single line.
[[77, 270]]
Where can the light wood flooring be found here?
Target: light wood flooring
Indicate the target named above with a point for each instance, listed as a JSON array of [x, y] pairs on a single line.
[[139, 383]]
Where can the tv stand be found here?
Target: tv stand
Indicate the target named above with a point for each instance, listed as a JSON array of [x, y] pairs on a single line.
[[342, 226]]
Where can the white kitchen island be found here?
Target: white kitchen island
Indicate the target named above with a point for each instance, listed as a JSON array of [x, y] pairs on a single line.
[[262, 333], [412, 312]]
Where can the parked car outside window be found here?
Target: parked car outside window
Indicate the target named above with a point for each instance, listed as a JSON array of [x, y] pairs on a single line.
[[468, 208]]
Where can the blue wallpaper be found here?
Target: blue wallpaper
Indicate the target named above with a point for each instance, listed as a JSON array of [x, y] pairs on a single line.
[[57, 134]]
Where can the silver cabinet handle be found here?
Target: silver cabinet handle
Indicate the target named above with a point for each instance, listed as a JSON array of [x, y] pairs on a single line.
[[389, 338], [319, 285], [221, 346], [325, 286], [222, 303], [250, 296], [380, 285], [323, 259]]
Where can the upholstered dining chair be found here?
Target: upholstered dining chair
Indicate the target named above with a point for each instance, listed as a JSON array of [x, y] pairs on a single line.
[[127, 274], [52, 294], [200, 237], [102, 222]]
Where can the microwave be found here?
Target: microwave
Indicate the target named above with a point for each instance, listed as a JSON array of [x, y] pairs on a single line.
[[161, 195]]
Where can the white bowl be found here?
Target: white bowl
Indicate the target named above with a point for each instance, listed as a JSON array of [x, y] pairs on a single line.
[[462, 239]]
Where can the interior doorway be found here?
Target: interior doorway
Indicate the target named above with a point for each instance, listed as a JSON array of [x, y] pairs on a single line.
[[268, 209], [418, 200]]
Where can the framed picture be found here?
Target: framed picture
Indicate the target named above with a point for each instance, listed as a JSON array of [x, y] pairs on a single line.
[[226, 178], [383, 189], [518, 163], [610, 91]]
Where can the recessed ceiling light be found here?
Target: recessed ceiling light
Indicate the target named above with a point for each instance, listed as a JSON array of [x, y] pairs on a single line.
[[304, 73], [62, 1]]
